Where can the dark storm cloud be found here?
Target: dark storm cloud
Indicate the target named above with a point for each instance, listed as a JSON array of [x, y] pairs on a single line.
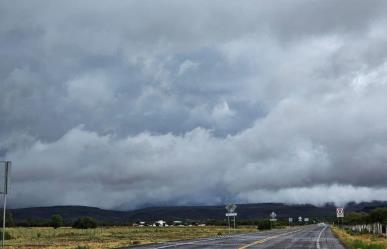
[[178, 102]]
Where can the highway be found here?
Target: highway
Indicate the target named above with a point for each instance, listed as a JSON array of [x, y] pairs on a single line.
[[308, 237]]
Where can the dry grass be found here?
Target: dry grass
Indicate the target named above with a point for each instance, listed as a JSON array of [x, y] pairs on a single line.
[[361, 241], [107, 237]]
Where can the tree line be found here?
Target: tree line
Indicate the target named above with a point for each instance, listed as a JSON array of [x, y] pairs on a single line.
[[56, 221], [378, 215]]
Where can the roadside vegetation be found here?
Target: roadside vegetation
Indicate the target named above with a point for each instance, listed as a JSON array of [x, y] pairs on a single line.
[[107, 237], [360, 241], [367, 237]]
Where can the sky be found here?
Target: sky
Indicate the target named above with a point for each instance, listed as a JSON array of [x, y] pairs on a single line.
[[127, 104]]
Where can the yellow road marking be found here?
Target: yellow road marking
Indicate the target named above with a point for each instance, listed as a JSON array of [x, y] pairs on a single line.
[[258, 242], [266, 239]]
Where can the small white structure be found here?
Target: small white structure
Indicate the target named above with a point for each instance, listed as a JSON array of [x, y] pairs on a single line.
[[177, 223], [160, 223], [140, 224]]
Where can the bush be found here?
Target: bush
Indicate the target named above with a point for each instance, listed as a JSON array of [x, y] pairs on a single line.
[[264, 225], [82, 247], [85, 223], [7, 235]]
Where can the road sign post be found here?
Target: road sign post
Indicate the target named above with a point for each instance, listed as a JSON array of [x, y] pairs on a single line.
[[340, 214], [231, 213], [229, 226], [234, 215], [4, 170], [273, 218], [290, 221]]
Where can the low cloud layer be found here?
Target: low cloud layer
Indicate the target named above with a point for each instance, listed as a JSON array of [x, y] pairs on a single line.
[[144, 103]]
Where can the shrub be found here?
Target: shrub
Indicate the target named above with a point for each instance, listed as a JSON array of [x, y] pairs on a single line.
[[264, 225], [82, 247], [85, 223], [7, 235]]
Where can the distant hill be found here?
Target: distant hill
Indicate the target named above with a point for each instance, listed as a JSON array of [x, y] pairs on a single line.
[[202, 213], [68, 213]]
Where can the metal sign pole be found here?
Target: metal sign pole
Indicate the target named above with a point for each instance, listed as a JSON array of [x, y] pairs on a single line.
[[4, 208], [229, 225], [7, 165], [230, 212]]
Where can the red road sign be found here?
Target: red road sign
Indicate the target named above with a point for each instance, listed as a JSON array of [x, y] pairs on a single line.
[[340, 212]]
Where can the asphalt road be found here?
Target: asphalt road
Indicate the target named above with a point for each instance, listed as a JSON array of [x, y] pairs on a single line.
[[309, 237]]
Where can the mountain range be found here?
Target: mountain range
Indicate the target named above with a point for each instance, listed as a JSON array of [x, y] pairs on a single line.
[[197, 213]]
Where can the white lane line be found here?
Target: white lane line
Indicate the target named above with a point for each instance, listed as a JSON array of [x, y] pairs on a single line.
[[171, 244], [189, 242], [319, 237], [218, 238]]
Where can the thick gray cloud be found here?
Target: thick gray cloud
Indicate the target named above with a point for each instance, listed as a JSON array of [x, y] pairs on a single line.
[[122, 104]]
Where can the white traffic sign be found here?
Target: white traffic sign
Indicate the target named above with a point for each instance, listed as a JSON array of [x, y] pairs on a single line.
[[273, 216], [231, 214], [4, 172], [300, 219], [306, 219], [5, 167], [231, 208], [340, 212], [290, 220]]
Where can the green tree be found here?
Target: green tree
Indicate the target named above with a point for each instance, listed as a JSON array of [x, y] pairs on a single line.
[[355, 218], [9, 221], [56, 221], [85, 223], [379, 215]]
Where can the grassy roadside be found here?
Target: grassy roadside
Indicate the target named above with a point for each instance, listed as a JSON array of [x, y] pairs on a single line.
[[360, 241], [107, 237]]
